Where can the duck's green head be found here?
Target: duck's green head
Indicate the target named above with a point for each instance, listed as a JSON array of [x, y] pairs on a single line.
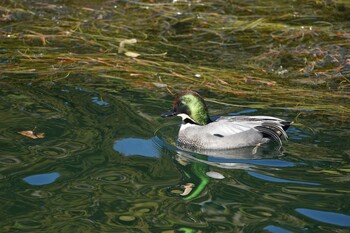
[[190, 106]]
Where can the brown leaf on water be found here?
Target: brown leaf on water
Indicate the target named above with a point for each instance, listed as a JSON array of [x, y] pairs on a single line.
[[31, 134], [188, 188], [40, 135]]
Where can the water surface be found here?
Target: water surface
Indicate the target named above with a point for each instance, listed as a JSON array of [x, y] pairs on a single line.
[[100, 167], [109, 163]]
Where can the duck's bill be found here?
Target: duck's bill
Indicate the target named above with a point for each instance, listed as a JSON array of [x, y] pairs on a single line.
[[168, 114]]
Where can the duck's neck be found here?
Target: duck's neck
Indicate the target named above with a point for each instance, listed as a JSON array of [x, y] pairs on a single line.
[[201, 118]]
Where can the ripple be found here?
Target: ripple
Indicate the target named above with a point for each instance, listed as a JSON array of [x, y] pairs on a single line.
[[83, 187], [218, 225], [75, 213], [27, 224], [111, 178], [279, 197], [313, 190], [297, 134], [259, 162], [41, 194], [59, 149], [258, 212], [31, 194], [232, 163], [9, 160], [237, 192], [51, 152], [240, 158], [117, 190], [67, 224], [278, 180], [138, 209], [73, 200]]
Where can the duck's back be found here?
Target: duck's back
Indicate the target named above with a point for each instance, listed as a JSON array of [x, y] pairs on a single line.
[[232, 132]]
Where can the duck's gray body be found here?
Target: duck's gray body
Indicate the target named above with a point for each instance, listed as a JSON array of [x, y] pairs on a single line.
[[198, 131], [232, 132]]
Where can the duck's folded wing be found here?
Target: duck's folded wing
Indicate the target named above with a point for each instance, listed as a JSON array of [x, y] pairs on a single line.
[[271, 127], [224, 129]]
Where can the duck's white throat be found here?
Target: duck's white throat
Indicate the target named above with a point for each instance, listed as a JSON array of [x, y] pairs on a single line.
[[184, 116]]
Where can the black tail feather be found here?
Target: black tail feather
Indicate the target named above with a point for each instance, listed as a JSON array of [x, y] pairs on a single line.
[[276, 131], [270, 133]]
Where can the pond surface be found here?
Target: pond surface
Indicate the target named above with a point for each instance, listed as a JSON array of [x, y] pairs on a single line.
[[102, 167], [97, 156]]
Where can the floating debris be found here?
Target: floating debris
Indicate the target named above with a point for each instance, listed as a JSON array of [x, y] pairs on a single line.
[[160, 85], [31, 134], [131, 54], [122, 49], [124, 42], [255, 149], [188, 188]]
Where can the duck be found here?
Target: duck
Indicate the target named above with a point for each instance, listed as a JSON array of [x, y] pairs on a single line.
[[199, 131]]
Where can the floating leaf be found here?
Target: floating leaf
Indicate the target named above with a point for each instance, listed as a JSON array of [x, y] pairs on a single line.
[[188, 188], [31, 134]]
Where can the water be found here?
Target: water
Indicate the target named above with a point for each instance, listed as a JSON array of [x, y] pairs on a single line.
[[109, 163], [101, 167]]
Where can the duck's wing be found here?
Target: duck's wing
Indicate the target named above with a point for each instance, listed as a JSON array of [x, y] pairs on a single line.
[[271, 127], [223, 128]]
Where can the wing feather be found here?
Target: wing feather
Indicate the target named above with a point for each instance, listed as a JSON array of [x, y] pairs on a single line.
[[271, 126]]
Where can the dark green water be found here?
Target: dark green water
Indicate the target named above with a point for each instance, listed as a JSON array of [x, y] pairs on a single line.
[[101, 168], [108, 163]]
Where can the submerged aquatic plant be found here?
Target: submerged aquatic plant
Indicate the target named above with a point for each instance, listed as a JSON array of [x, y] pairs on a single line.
[[292, 56]]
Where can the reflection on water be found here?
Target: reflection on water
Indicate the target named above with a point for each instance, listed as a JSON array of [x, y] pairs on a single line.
[[275, 229], [277, 180], [42, 179], [326, 216], [99, 101], [84, 174], [137, 146]]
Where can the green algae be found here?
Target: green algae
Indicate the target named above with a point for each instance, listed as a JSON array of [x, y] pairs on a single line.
[[294, 56]]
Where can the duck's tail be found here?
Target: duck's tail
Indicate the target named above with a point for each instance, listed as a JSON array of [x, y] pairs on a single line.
[[275, 130]]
